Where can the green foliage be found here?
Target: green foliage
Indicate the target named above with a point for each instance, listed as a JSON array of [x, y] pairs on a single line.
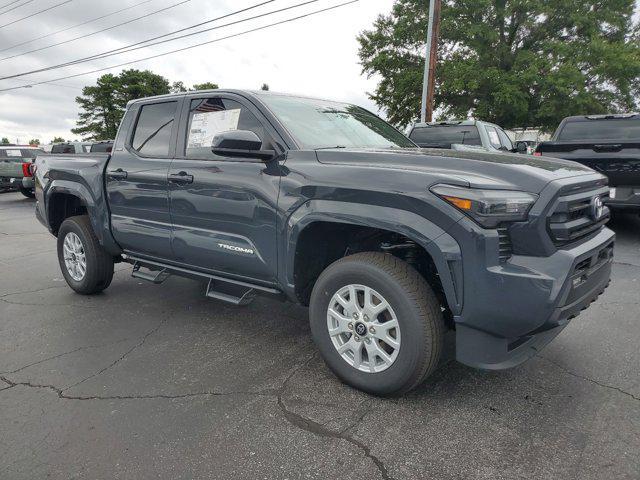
[[34, 141], [5, 140], [178, 87], [512, 62], [103, 105], [57, 140], [205, 86]]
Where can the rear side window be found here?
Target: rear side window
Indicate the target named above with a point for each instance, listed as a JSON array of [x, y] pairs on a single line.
[[610, 129], [31, 153], [101, 147], [494, 139], [63, 148], [152, 135], [445, 135]]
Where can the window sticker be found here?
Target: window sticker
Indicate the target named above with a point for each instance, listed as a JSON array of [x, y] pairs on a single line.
[[14, 153], [493, 136], [205, 126]]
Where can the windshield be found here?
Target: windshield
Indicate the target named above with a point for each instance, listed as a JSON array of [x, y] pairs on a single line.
[[612, 129], [445, 135], [323, 124]]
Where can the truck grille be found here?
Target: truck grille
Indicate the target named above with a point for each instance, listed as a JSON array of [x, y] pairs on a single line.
[[505, 248], [577, 216]]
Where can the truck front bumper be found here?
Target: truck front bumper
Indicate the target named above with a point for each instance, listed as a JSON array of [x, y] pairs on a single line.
[[529, 301]]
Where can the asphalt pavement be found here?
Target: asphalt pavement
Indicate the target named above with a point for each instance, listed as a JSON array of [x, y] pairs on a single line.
[[147, 381]]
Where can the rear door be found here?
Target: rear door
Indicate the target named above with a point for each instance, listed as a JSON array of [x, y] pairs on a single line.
[[223, 209], [136, 179]]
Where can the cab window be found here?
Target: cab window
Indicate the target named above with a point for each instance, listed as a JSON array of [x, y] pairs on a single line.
[[152, 135], [210, 116]]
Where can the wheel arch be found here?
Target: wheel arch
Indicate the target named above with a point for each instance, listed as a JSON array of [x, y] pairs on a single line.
[[311, 230]]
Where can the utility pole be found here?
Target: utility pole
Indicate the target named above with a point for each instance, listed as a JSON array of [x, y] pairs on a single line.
[[431, 58]]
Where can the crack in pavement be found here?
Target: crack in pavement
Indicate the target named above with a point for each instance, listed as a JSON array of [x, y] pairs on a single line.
[[114, 363], [591, 380], [320, 430], [62, 355]]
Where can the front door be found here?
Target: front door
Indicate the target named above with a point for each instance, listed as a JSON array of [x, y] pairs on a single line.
[[137, 185], [223, 209]]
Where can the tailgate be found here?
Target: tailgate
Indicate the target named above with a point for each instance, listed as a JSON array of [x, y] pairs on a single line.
[[11, 168], [619, 161]]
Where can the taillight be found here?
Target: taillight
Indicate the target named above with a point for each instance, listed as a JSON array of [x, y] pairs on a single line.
[[537, 154], [26, 169]]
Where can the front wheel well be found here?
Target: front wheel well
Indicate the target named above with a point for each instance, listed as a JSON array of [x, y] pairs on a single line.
[[62, 206], [322, 243]]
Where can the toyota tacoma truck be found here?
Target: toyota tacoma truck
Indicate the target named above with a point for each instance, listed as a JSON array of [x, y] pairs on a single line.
[[327, 205], [610, 144]]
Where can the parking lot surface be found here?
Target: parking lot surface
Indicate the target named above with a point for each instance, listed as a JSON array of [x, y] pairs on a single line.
[[148, 381]]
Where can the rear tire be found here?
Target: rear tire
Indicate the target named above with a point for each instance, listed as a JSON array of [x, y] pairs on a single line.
[[385, 280], [85, 265], [27, 192]]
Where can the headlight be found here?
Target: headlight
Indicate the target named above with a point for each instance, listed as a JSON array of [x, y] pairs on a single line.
[[488, 207]]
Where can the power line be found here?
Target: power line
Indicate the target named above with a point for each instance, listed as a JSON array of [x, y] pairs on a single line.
[[98, 31], [127, 49], [76, 25], [264, 27], [17, 6], [10, 3], [37, 13], [148, 40]]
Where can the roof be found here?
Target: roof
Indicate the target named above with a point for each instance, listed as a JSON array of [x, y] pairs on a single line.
[[605, 116]]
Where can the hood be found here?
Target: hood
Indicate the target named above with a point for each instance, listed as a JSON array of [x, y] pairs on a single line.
[[476, 169]]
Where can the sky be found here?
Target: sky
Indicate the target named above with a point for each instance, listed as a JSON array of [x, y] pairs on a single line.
[[316, 56]]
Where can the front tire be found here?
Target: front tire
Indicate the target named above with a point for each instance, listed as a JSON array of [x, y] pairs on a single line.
[[377, 323], [85, 265], [28, 192]]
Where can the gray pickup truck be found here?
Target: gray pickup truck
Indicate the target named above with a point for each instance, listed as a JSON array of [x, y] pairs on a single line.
[[325, 204], [610, 144], [15, 168], [464, 135]]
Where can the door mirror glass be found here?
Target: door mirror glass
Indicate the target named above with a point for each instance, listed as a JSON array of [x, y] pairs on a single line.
[[240, 143]]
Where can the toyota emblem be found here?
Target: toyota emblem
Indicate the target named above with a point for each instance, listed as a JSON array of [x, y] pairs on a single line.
[[597, 208]]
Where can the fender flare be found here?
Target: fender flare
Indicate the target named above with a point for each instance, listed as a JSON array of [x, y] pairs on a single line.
[[442, 247], [96, 209]]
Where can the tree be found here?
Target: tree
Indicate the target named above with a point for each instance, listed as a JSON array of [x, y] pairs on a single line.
[[205, 86], [5, 140], [103, 104], [178, 87], [512, 62], [34, 141], [57, 140], [265, 87]]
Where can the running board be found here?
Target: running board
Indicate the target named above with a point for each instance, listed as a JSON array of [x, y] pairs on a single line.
[[153, 276], [235, 294]]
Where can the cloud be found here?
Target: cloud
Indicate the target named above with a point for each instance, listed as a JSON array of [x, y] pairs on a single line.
[[314, 56]]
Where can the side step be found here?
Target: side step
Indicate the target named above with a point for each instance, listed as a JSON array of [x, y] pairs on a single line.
[[153, 276], [235, 294]]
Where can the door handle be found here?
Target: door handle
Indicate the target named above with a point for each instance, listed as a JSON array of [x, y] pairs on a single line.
[[118, 174], [182, 177]]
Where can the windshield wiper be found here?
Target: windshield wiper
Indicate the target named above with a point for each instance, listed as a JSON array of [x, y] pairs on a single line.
[[330, 148]]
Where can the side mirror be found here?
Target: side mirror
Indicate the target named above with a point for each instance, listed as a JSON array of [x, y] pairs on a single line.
[[522, 147], [240, 144]]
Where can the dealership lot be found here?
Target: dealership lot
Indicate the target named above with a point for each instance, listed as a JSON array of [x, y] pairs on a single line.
[[149, 381]]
